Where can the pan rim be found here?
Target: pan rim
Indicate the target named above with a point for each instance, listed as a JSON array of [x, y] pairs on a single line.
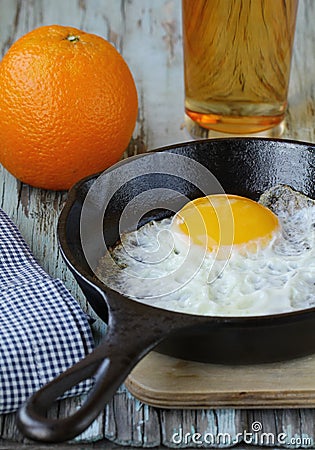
[[102, 288]]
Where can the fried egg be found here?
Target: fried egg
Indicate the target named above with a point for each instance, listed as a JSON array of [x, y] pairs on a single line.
[[221, 255]]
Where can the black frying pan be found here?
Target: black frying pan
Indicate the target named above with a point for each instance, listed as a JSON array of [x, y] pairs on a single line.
[[245, 167]]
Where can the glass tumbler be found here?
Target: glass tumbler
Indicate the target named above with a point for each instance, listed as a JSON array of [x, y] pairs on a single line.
[[237, 57]]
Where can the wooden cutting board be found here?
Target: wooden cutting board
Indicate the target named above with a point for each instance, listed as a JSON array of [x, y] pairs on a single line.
[[167, 382]]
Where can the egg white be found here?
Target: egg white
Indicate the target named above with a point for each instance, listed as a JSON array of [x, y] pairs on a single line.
[[147, 267]]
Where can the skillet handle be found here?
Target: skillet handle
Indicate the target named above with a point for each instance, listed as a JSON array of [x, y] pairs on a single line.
[[109, 364]]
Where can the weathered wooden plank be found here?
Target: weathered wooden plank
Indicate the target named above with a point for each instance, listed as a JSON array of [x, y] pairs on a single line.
[[152, 45], [104, 445], [130, 422], [301, 112]]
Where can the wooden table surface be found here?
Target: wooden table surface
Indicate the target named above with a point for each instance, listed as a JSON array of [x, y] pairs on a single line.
[[148, 34]]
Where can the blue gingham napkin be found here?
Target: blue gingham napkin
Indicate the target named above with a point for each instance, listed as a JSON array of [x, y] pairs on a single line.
[[43, 330]]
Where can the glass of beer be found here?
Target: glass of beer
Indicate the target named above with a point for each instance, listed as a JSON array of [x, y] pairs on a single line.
[[237, 57]]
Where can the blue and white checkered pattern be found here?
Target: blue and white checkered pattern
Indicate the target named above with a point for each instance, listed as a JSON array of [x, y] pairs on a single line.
[[43, 330]]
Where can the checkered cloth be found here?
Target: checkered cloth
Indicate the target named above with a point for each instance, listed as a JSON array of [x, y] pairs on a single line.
[[43, 330]]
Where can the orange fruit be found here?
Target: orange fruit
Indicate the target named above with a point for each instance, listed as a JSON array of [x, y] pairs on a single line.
[[68, 106]]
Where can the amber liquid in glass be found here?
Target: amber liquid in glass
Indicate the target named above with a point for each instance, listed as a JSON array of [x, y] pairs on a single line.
[[237, 56]]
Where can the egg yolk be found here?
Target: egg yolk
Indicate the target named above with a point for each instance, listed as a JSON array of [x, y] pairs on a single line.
[[224, 220]]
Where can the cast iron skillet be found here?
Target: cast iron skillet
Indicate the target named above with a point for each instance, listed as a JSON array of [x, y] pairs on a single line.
[[243, 166]]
